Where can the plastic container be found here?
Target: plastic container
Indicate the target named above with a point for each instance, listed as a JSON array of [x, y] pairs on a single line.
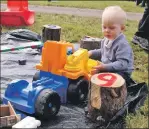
[[26, 122], [33, 124]]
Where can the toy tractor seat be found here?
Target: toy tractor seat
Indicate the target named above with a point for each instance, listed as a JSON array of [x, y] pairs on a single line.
[[17, 14]]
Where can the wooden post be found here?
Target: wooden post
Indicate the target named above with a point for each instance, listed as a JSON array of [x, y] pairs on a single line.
[[108, 94], [51, 32], [90, 43]]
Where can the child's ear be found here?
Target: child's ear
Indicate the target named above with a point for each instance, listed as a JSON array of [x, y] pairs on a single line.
[[123, 27]]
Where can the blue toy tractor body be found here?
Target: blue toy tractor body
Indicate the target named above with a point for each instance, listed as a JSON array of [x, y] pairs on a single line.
[[24, 95]]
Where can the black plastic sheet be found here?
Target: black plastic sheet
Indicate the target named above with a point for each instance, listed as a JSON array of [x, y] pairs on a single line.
[[69, 116], [19, 36], [137, 93]]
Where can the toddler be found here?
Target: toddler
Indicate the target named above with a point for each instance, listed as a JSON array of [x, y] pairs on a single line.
[[115, 53]]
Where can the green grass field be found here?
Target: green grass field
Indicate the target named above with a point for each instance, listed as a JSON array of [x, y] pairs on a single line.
[[128, 6], [74, 28]]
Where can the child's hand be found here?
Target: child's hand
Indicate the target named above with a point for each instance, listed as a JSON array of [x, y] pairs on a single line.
[[97, 69], [89, 53], [94, 71]]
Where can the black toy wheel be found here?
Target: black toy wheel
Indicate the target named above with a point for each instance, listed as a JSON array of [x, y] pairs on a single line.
[[36, 76], [77, 90], [47, 104]]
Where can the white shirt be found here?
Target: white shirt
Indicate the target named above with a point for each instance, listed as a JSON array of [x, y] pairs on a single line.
[[108, 43]]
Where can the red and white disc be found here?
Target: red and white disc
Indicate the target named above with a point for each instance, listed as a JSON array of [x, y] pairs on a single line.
[[108, 80]]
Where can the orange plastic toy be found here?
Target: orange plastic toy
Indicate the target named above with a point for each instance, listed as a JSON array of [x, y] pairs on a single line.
[[17, 14], [55, 60]]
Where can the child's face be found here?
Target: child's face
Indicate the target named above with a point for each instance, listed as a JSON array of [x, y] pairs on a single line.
[[111, 31]]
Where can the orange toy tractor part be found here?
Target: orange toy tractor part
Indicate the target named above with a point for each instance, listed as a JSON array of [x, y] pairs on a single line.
[[55, 60], [17, 14], [54, 56]]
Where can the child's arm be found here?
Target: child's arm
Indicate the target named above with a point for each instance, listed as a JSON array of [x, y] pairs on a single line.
[[123, 55], [95, 53]]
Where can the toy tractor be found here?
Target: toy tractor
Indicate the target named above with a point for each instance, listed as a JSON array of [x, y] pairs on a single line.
[[60, 78]]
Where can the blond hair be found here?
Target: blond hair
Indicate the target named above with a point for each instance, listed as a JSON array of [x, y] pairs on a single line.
[[114, 15]]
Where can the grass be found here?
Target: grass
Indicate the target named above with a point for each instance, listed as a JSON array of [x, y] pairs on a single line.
[[74, 28], [128, 6]]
